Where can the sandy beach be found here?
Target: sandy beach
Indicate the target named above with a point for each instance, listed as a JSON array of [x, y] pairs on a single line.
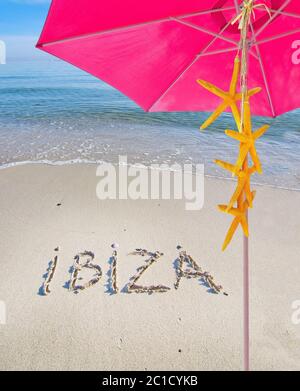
[[48, 207]]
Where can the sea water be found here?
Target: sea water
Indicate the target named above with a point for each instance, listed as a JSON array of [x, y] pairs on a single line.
[[54, 113]]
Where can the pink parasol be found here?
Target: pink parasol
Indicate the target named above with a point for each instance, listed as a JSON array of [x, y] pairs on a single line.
[[154, 52]]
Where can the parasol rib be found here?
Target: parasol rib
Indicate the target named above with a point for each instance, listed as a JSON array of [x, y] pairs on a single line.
[[124, 28], [214, 39], [237, 8], [263, 71], [204, 30], [274, 37], [284, 13], [272, 17], [216, 52], [173, 83], [190, 65]]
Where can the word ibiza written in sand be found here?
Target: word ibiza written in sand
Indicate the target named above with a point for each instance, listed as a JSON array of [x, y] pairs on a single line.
[[185, 267]]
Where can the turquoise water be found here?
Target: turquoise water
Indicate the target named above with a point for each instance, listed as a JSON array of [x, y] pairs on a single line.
[[52, 112]]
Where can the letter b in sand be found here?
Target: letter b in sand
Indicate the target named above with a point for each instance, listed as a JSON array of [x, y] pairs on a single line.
[[2, 52], [2, 312]]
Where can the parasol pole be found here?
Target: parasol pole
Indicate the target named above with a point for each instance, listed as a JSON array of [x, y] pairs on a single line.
[[248, 7], [246, 294], [244, 22], [246, 260], [246, 302]]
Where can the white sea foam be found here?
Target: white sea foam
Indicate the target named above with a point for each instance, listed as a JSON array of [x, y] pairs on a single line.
[[93, 162], [58, 115]]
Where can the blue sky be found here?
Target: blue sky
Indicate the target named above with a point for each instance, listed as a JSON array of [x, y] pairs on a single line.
[[21, 22]]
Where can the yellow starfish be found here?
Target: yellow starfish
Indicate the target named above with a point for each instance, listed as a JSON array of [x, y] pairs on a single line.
[[247, 140], [240, 217], [230, 98], [243, 182]]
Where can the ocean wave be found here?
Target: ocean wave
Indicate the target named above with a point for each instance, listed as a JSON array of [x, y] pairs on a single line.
[[55, 114]]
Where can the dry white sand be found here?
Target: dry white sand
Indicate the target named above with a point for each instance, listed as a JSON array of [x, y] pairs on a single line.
[[179, 330]]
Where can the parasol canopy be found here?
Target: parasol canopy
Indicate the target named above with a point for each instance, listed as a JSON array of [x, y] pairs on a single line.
[[154, 52]]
